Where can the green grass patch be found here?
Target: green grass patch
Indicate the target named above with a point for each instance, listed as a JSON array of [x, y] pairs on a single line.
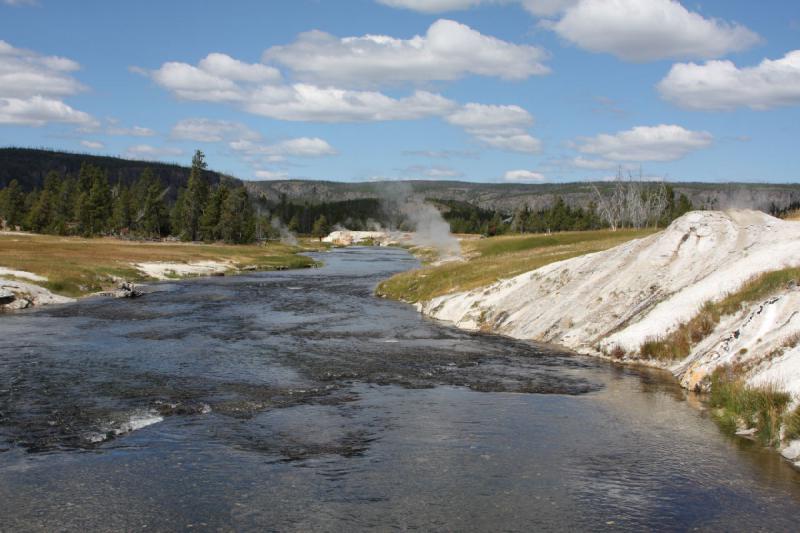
[[678, 344], [75, 266], [492, 259], [738, 406]]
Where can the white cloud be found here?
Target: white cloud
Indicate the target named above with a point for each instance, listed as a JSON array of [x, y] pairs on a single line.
[[646, 143], [271, 175], [593, 164], [547, 8], [433, 6], [93, 145], [192, 83], [448, 51], [208, 130], [299, 147], [304, 102], [500, 126], [225, 66], [146, 151], [523, 175], [721, 85], [536, 7], [296, 102], [38, 111], [645, 30], [20, 2], [135, 131], [32, 87]]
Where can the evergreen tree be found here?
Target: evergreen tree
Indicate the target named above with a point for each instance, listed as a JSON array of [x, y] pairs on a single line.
[[99, 204], [195, 198], [237, 221], [176, 216], [64, 206], [321, 227], [294, 224], [123, 212], [154, 221], [210, 220], [13, 204]]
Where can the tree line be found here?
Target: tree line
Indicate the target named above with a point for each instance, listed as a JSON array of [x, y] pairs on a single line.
[[88, 205], [629, 204]]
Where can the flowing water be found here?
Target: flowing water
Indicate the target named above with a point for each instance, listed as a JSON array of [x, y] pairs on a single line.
[[296, 401]]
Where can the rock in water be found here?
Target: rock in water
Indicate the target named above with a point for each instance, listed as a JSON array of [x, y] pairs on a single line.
[[6, 296], [126, 290]]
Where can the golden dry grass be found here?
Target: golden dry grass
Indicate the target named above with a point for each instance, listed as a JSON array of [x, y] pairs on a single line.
[[678, 344], [492, 259], [76, 266]]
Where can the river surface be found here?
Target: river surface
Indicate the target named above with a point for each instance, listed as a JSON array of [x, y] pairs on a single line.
[[297, 401]]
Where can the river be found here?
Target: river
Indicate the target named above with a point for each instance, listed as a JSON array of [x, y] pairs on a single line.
[[297, 401]]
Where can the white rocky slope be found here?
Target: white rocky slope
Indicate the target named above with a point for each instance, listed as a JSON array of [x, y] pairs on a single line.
[[615, 300]]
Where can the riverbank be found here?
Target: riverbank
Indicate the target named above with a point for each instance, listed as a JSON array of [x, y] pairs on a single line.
[[713, 299], [44, 269]]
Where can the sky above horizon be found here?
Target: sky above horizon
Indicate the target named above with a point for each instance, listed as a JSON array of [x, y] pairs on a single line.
[[524, 91]]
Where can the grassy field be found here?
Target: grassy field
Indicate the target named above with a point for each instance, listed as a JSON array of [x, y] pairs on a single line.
[[76, 266], [488, 260]]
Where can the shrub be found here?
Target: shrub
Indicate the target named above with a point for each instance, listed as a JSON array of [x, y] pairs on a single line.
[[759, 407]]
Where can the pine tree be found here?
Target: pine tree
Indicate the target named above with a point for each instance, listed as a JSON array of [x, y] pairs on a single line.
[[321, 227], [99, 204], [123, 212], [64, 206], [294, 224], [154, 220], [237, 221], [210, 220], [13, 205], [195, 198]]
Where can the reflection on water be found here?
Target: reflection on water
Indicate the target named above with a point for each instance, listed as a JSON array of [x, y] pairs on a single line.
[[297, 401]]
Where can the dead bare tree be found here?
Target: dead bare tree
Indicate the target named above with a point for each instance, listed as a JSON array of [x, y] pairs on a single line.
[[631, 203]]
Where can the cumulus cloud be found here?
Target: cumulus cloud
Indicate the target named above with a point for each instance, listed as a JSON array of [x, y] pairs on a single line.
[[646, 143], [32, 87], [646, 30], [448, 51], [271, 175], [147, 151], [592, 164], [93, 145], [295, 102], [536, 7], [304, 102], [499, 126], [502, 127], [134, 131], [299, 147], [210, 131], [721, 85], [523, 175]]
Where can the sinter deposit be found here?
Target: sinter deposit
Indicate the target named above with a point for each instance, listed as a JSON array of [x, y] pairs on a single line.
[[611, 302], [16, 294]]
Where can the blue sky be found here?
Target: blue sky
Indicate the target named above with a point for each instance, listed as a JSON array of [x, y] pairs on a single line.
[[478, 90]]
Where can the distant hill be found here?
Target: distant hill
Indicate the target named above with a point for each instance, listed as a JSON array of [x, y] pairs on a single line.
[[509, 196], [30, 166]]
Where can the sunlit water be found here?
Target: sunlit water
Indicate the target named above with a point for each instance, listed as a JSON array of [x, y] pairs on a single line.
[[296, 401]]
